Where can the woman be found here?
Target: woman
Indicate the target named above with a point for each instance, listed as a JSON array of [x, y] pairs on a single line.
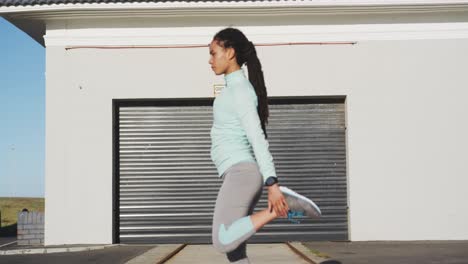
[[240, 113]]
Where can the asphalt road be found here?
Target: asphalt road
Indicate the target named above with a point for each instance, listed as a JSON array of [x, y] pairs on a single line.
[[411, 252], [112, 255], [401, 252], [4, 241]]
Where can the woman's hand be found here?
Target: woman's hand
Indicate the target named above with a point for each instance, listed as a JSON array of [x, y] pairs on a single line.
[[276, 201]]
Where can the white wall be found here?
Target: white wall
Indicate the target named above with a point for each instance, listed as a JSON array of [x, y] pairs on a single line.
[[406, 117]]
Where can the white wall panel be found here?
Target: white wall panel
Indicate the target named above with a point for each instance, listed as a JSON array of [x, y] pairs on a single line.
[[406, 113]]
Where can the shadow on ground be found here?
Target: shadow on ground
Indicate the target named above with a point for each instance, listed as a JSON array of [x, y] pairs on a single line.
[[9, 230]]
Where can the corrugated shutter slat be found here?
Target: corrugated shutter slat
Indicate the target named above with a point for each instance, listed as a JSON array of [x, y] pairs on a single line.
[[168, 183]]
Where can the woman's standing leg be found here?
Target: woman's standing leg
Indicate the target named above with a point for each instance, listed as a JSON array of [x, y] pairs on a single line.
[[241, 251], [242, 187]]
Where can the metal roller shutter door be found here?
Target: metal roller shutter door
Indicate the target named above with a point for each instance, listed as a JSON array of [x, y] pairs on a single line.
[[167, 183]]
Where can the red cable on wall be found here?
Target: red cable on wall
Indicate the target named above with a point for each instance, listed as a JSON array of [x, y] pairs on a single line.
[[205, 46]]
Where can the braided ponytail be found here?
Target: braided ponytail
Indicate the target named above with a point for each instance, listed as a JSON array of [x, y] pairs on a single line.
[[256, 78], [246, 53]]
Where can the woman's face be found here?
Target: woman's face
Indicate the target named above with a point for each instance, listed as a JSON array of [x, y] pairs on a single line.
[[220, 58]]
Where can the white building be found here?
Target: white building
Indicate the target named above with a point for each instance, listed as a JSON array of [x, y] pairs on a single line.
[[368, 115]]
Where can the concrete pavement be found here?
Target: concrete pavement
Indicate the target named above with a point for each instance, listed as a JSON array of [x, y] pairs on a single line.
[[151, 254], [391, 252], [111, 255], [258, 254], [434, 252]]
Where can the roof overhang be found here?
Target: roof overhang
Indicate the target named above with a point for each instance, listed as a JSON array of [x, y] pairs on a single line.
[[32, 19]]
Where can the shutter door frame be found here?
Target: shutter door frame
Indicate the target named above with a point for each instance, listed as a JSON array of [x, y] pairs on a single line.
[[273, 233]]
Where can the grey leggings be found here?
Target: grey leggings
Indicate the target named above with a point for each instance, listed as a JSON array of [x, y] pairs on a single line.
[[241, 189]]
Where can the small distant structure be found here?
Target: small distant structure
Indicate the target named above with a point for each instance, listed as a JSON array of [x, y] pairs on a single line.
[[30, 230]]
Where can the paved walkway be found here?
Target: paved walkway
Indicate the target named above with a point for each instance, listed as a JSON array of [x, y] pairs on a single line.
[[258, 254], [440, 252], [151, 254]]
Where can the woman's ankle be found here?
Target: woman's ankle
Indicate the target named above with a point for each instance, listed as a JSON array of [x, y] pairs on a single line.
[[262, 218]]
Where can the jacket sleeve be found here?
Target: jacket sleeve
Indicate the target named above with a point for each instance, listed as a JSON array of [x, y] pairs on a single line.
[[246, 110]]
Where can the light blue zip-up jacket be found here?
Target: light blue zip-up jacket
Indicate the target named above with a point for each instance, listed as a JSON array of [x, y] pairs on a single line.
[[236, 127]]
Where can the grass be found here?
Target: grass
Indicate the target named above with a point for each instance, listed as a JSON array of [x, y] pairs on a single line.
[[9, 208]]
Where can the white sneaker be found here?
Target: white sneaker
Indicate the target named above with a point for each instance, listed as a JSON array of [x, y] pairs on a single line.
[[300, 205]]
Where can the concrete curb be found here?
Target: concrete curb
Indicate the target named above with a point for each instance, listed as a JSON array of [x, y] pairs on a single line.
[[304, 250], [52, 250]]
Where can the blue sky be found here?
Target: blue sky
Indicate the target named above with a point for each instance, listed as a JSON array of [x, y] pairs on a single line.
[[22, 113]]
